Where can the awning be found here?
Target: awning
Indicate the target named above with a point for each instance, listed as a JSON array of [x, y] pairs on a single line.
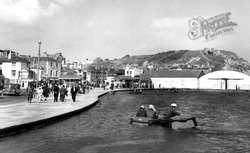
[[70, 76], [50, 78], [145, 81], [127, 78]]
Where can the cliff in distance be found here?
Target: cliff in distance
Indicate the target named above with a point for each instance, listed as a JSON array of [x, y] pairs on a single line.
[[185, 59]]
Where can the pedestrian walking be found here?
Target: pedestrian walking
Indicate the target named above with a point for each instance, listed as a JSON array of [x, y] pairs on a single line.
[[39, 92], [67, 91], [104, 86], [73, 92], [87, 89], [29, 91], [83, 89], [46, 92], [56, 92], [63, 91], [78, 89]]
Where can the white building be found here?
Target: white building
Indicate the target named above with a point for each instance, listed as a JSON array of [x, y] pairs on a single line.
[[174, 78], [12, 65], [49, 70], [225, 80], [26, 76], [132, 71], [87, 61]]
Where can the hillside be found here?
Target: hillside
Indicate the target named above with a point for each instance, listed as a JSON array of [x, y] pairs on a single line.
[[186, 59]]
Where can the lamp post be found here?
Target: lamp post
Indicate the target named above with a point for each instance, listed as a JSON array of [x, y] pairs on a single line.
[[102, 74], [38, 65], [150, 81]]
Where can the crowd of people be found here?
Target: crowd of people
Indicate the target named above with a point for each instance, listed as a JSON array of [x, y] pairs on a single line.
[[152, 113], [59, 92]]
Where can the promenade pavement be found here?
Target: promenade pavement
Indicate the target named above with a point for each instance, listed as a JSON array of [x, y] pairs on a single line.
[[23, 116]]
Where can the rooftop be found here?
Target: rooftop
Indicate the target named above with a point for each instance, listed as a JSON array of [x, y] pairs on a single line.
[[14, 58], [172, 74]]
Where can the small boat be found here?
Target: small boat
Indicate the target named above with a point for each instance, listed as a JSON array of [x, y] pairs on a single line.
[[137, 91], [173, 90], [177, 122], [111, 92]]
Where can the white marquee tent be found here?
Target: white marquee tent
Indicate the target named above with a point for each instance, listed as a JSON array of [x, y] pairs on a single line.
[[225, 80]]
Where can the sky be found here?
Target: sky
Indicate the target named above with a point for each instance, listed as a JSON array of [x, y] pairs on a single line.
[[87, 29]]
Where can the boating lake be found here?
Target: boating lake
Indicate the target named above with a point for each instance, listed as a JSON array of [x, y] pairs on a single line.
[[223, 119]]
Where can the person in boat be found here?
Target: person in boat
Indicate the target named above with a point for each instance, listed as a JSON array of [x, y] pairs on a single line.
[[152, 112], [171, 112], [141, 112], [173, 90]]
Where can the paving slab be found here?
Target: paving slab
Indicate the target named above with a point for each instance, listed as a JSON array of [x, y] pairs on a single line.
[[23, 116]]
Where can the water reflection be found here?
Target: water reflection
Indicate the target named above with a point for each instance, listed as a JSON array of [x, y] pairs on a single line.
[[223, 119]]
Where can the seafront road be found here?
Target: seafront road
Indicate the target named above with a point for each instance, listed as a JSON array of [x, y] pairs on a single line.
[[22, 116]]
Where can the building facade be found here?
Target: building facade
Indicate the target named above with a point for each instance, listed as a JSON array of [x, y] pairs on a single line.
[[225, 79], [26, 76], [12, 64], [132, 71], [99, 74], [49, 70], [173, 78]]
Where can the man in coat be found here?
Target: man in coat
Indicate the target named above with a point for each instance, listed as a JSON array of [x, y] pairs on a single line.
[[46, 92], [73, 92], [56, 92], [141, 112], [171, 112], [62, 91], [30, 92]]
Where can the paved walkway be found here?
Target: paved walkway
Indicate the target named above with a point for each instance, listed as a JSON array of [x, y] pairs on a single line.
[[24, 116]]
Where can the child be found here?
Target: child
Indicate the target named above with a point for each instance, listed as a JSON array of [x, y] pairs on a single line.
[[40, 93]]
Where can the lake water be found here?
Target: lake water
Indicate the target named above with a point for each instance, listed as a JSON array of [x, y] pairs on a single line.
[[223, 118]]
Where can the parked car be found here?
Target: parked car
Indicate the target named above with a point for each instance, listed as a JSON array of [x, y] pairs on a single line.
[[11, 89]]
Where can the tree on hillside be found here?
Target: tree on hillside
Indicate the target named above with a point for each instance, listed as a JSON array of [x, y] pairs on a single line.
[[127, 56], [98, 60]]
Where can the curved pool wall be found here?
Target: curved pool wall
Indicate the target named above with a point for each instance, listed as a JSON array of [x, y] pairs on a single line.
[[19, 128], [40, 123], [223, 126], [12, 130]]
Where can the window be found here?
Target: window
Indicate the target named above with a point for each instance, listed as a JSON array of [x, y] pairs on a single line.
[[13, 64], [56, 64], [51, 73], [127, 72], [13, 73], [51, 64], [56, 73]]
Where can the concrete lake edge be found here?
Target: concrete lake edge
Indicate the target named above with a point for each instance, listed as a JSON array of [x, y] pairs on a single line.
[[19, 128]]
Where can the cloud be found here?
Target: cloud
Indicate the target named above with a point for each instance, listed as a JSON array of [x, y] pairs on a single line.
[[24, 11], [70, 2], [90, 24], [52, 9], [65, 2], [169, 23]]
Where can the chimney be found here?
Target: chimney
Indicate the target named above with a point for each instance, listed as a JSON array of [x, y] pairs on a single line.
[[28, 56], [9, 56]]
